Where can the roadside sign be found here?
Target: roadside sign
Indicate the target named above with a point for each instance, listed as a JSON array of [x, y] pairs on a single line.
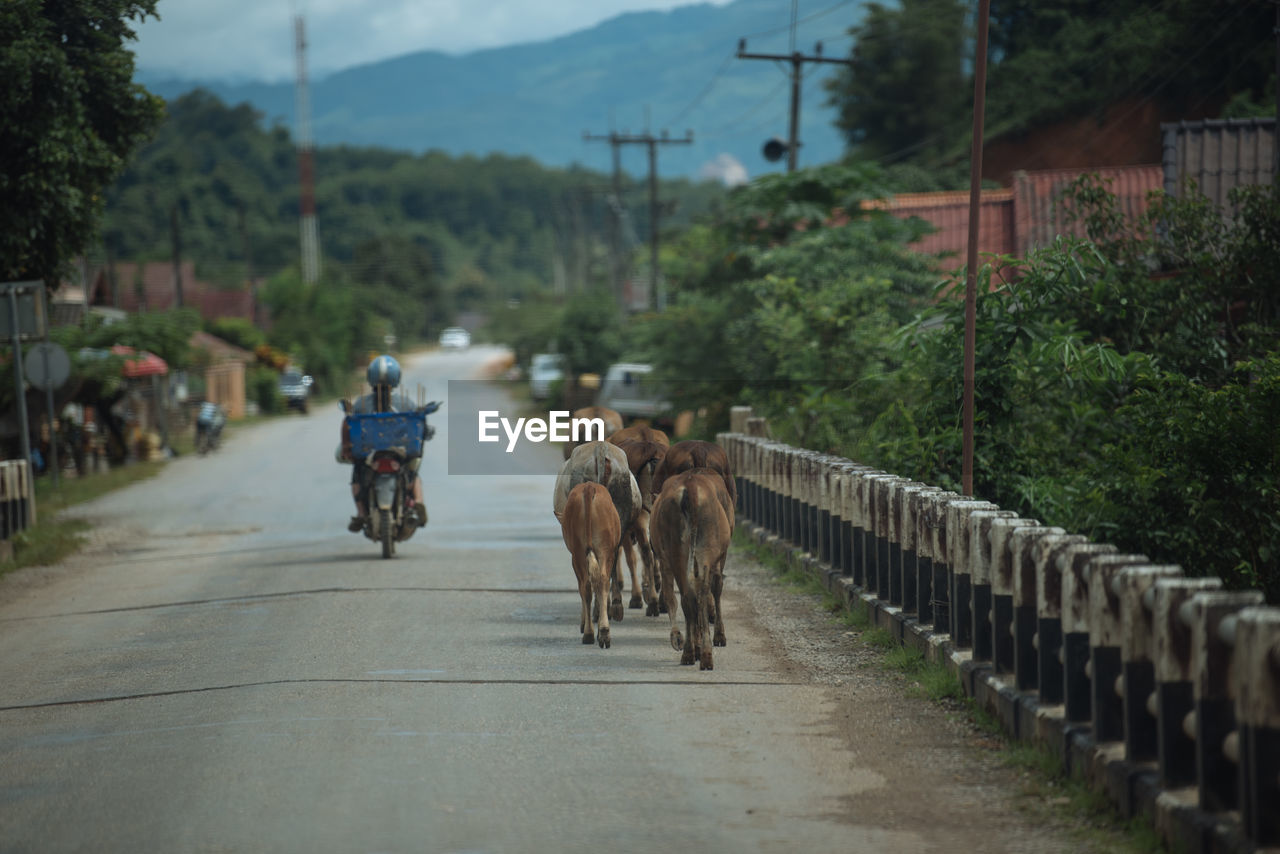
[[47, 366], [30, 320]]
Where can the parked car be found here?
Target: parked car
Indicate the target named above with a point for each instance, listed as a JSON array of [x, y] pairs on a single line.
[[295, 388], [455, 338], [544, 369], [628, 391]]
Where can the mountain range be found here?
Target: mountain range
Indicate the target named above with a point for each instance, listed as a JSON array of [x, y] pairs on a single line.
[[674, 71]]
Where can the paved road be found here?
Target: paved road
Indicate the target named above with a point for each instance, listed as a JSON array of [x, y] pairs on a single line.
[[241, 674]]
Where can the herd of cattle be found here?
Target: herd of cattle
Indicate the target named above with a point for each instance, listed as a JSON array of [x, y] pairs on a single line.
[[674, 503]]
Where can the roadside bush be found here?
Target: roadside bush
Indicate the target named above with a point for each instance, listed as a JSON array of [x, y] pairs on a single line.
[[263, 387]]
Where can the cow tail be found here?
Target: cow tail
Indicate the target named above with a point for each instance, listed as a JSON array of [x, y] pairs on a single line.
[[593, 568], [688, 534]]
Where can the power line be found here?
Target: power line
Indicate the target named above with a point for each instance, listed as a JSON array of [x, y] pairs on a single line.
[[803, 20], [706, 90]]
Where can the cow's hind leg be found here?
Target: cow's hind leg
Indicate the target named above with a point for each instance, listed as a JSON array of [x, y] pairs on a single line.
[[615, 584], [717, 585], [584, 593], [629, 545], [650, 587], [600, 580], [689, 604]]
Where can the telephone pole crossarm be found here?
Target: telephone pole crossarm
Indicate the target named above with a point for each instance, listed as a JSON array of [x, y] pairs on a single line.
[[797, 61]]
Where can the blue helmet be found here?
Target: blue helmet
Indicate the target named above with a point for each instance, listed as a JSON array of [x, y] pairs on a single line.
[[384, 370]]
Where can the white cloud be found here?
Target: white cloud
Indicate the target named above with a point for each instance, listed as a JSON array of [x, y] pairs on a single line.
[[725, 168], [253, 39]]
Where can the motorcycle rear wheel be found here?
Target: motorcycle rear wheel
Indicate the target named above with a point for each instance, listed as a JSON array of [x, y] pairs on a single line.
[[388, 538]]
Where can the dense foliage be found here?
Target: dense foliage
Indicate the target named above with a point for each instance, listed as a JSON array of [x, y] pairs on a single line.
[[908, 93], [69, 116], [420, 237], [1127, 387]]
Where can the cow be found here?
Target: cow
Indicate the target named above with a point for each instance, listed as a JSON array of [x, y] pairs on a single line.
[[641, 432], [612, 423], [592, 532], [643, 458], [690, 529], [692, 454], [605, 464]]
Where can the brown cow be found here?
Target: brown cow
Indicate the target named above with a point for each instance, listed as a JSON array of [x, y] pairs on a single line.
[[690, 531], [591, 532], [642, 459], [612, 423], [606, 464], [693, 454], [642, 433]]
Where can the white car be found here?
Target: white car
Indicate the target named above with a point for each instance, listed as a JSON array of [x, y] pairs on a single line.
[[544, 369], [455, 338]]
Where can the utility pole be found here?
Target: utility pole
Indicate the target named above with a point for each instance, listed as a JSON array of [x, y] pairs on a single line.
[[797, 61], [175, 236], [310, 237], [651, 142], [971, 265]]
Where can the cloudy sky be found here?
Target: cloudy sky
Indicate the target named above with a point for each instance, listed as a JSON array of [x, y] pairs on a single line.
[[253, 39]]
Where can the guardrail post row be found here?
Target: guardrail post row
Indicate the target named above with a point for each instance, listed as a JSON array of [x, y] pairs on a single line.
[[1257, 677], [1048, 635], [1215, 714], [984, 557], [1076, 566], [1137, 651], [1104, 645], [959, 577], [826, 486], [1175, 692], [1023, 543]]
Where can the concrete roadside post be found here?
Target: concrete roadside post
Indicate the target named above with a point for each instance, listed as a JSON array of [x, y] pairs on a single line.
[[1048, 637], [829, 511], [1076, 567], [897, 523], [1022, 547], [1212, 617], [931, 586], [912, 505], [987, 542], [1137, 654], [1257, 675], [1175, 691], [880, 491], [1107, 667], [870, 532], [960, 578]]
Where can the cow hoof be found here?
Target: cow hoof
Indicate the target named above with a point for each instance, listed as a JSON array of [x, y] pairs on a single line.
[[651, 610], [604, 639], [687, 657], [662, 608], [718, 640], [615, 611], [635, 602], [588, 638], [677, 643], [706, 663]]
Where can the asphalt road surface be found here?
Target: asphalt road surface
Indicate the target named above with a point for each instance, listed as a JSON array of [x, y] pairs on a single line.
[[229, 670]]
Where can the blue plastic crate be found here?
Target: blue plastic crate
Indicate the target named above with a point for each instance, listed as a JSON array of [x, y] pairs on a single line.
[[384, 430]]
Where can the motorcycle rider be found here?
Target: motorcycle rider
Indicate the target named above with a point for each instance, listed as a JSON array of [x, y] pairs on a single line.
[[209, 421], [383, 375]]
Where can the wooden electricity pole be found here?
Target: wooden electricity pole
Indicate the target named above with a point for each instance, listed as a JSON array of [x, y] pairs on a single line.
[[617, 140]]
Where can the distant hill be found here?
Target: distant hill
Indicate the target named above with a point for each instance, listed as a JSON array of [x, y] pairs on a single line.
[[537, 99]]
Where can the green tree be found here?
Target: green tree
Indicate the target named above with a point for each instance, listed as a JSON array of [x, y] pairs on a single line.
[[905, 89], [71, 114]]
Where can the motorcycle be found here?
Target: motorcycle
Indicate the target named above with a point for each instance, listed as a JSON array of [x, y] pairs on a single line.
[[209, 424], [390, 446]]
